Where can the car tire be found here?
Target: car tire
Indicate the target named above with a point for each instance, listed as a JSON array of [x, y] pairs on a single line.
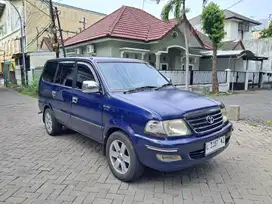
[[123, 160], [52, 126]]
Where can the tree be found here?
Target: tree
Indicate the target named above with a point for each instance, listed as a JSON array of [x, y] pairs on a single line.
[[179, 10], [213, 25], [267, 32]]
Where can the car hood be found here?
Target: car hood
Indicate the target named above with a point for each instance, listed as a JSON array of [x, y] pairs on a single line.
[[168, 103]]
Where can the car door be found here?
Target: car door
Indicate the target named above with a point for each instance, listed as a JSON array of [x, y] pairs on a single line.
[[62, 91], [86, 116]]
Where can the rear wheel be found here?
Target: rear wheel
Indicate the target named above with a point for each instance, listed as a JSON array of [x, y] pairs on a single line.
[[51, 124], [122, 158]]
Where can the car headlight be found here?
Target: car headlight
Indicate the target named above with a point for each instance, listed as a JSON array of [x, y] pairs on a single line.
[[168, 128], [224, 114]]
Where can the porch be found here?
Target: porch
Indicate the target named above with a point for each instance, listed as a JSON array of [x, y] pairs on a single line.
[[172, 58]]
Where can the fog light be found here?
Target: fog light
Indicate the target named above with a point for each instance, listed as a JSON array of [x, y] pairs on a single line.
[[168, 158]]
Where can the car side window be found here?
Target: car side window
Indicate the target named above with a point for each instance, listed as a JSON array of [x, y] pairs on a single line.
[[50, 71], [65, 74], [84, 73]]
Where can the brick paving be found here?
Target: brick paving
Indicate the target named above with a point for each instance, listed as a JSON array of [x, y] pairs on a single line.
[[37, 168]]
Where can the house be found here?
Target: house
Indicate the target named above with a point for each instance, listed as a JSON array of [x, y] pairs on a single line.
[[256, 32], [37, 26], [133, 33], [237, 26]]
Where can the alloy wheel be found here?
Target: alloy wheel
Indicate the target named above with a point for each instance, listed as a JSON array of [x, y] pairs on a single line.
[[119, 156]]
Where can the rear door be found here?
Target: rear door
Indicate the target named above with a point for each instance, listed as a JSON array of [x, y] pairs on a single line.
[[62, 91], [86, 116], [47, 84]]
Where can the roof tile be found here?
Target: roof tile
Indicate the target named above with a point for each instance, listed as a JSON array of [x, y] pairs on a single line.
[[126, 22]]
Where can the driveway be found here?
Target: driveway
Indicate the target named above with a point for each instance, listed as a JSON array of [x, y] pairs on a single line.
[[37, 168], [256, 106]]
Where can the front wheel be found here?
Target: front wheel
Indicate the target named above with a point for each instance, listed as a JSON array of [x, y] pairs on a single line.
[[122, 158]]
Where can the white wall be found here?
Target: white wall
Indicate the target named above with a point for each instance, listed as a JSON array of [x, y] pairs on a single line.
[[260, 47], [39, 59], [10, 19], [231, 29], [222, 64]]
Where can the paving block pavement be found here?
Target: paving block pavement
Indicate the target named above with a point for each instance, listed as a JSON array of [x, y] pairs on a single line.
[[37, 168]]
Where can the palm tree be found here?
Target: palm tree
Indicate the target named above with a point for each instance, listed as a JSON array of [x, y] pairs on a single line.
[[179, 10]]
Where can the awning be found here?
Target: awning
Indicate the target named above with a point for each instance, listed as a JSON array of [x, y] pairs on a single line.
[[133, 50], [245, 54]]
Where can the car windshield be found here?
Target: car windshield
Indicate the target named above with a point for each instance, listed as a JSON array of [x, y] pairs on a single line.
[[122, 76]]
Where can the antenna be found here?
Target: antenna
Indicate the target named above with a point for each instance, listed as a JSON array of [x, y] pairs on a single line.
[[143, 4]]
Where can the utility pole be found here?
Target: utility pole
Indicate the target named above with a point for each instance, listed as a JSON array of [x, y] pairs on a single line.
[[54, 30], [60, 31], [83, 22]]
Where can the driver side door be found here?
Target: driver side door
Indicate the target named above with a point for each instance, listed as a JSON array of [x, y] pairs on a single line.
[[86, 116]]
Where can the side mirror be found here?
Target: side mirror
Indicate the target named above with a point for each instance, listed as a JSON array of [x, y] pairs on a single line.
[[90, 87]]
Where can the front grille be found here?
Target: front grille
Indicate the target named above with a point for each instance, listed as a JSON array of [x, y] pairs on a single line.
[[201, 153], [199, 122]]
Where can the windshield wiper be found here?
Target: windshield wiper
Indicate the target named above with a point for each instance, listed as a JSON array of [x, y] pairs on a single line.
[[165, 85], [142, 88]]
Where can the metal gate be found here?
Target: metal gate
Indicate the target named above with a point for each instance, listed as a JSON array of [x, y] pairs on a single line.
[[238, 80]]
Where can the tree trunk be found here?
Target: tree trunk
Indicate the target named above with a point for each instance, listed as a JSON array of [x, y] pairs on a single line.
[[215, 88], [186, 48]]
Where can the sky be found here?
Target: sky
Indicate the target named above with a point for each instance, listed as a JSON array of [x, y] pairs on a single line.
[[259, 9]]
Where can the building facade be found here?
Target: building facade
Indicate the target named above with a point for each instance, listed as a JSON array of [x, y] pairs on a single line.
[[35, 14], [237, 27]]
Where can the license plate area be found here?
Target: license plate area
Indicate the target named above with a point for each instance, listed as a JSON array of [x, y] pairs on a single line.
[[214, 145]]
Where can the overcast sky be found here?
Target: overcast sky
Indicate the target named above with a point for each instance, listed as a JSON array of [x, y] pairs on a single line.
[[259, 9]]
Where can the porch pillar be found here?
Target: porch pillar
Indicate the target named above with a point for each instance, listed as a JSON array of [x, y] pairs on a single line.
[[246, 81], [143, 55], [122, 54], [158, 58], [261, 76], [228, 78]]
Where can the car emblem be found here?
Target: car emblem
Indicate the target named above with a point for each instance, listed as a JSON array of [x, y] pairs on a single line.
[[210, 119]]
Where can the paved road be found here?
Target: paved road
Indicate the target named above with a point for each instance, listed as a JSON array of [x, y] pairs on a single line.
[[37, 168], [256, 106]]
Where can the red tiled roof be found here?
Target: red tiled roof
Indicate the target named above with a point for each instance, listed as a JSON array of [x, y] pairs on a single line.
[[126, 22]]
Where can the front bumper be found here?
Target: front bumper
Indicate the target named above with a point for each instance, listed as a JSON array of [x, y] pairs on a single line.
[[191, 150]]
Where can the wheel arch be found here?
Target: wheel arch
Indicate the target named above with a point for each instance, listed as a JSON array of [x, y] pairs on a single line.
[[111, 130]]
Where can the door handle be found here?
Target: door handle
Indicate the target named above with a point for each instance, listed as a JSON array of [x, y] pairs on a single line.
[[74, 99], [53, 94]]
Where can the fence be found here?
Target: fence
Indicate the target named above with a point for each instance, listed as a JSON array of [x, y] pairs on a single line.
[[195, 77], [205, 77], [177, 77]]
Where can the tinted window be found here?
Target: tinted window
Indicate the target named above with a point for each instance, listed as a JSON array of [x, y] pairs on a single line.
[[65, 74], [49, 71], [84, 73]]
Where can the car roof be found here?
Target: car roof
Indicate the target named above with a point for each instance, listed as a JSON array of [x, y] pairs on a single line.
[[100, 59]]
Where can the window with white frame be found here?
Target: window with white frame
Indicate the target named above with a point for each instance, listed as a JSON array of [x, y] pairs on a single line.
[[243, 26]]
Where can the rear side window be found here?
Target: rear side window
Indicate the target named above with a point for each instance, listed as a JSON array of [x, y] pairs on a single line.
[[49, 71], [65, 74]]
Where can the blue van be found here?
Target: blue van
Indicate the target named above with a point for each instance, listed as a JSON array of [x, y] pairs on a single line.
[[135, 112]]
